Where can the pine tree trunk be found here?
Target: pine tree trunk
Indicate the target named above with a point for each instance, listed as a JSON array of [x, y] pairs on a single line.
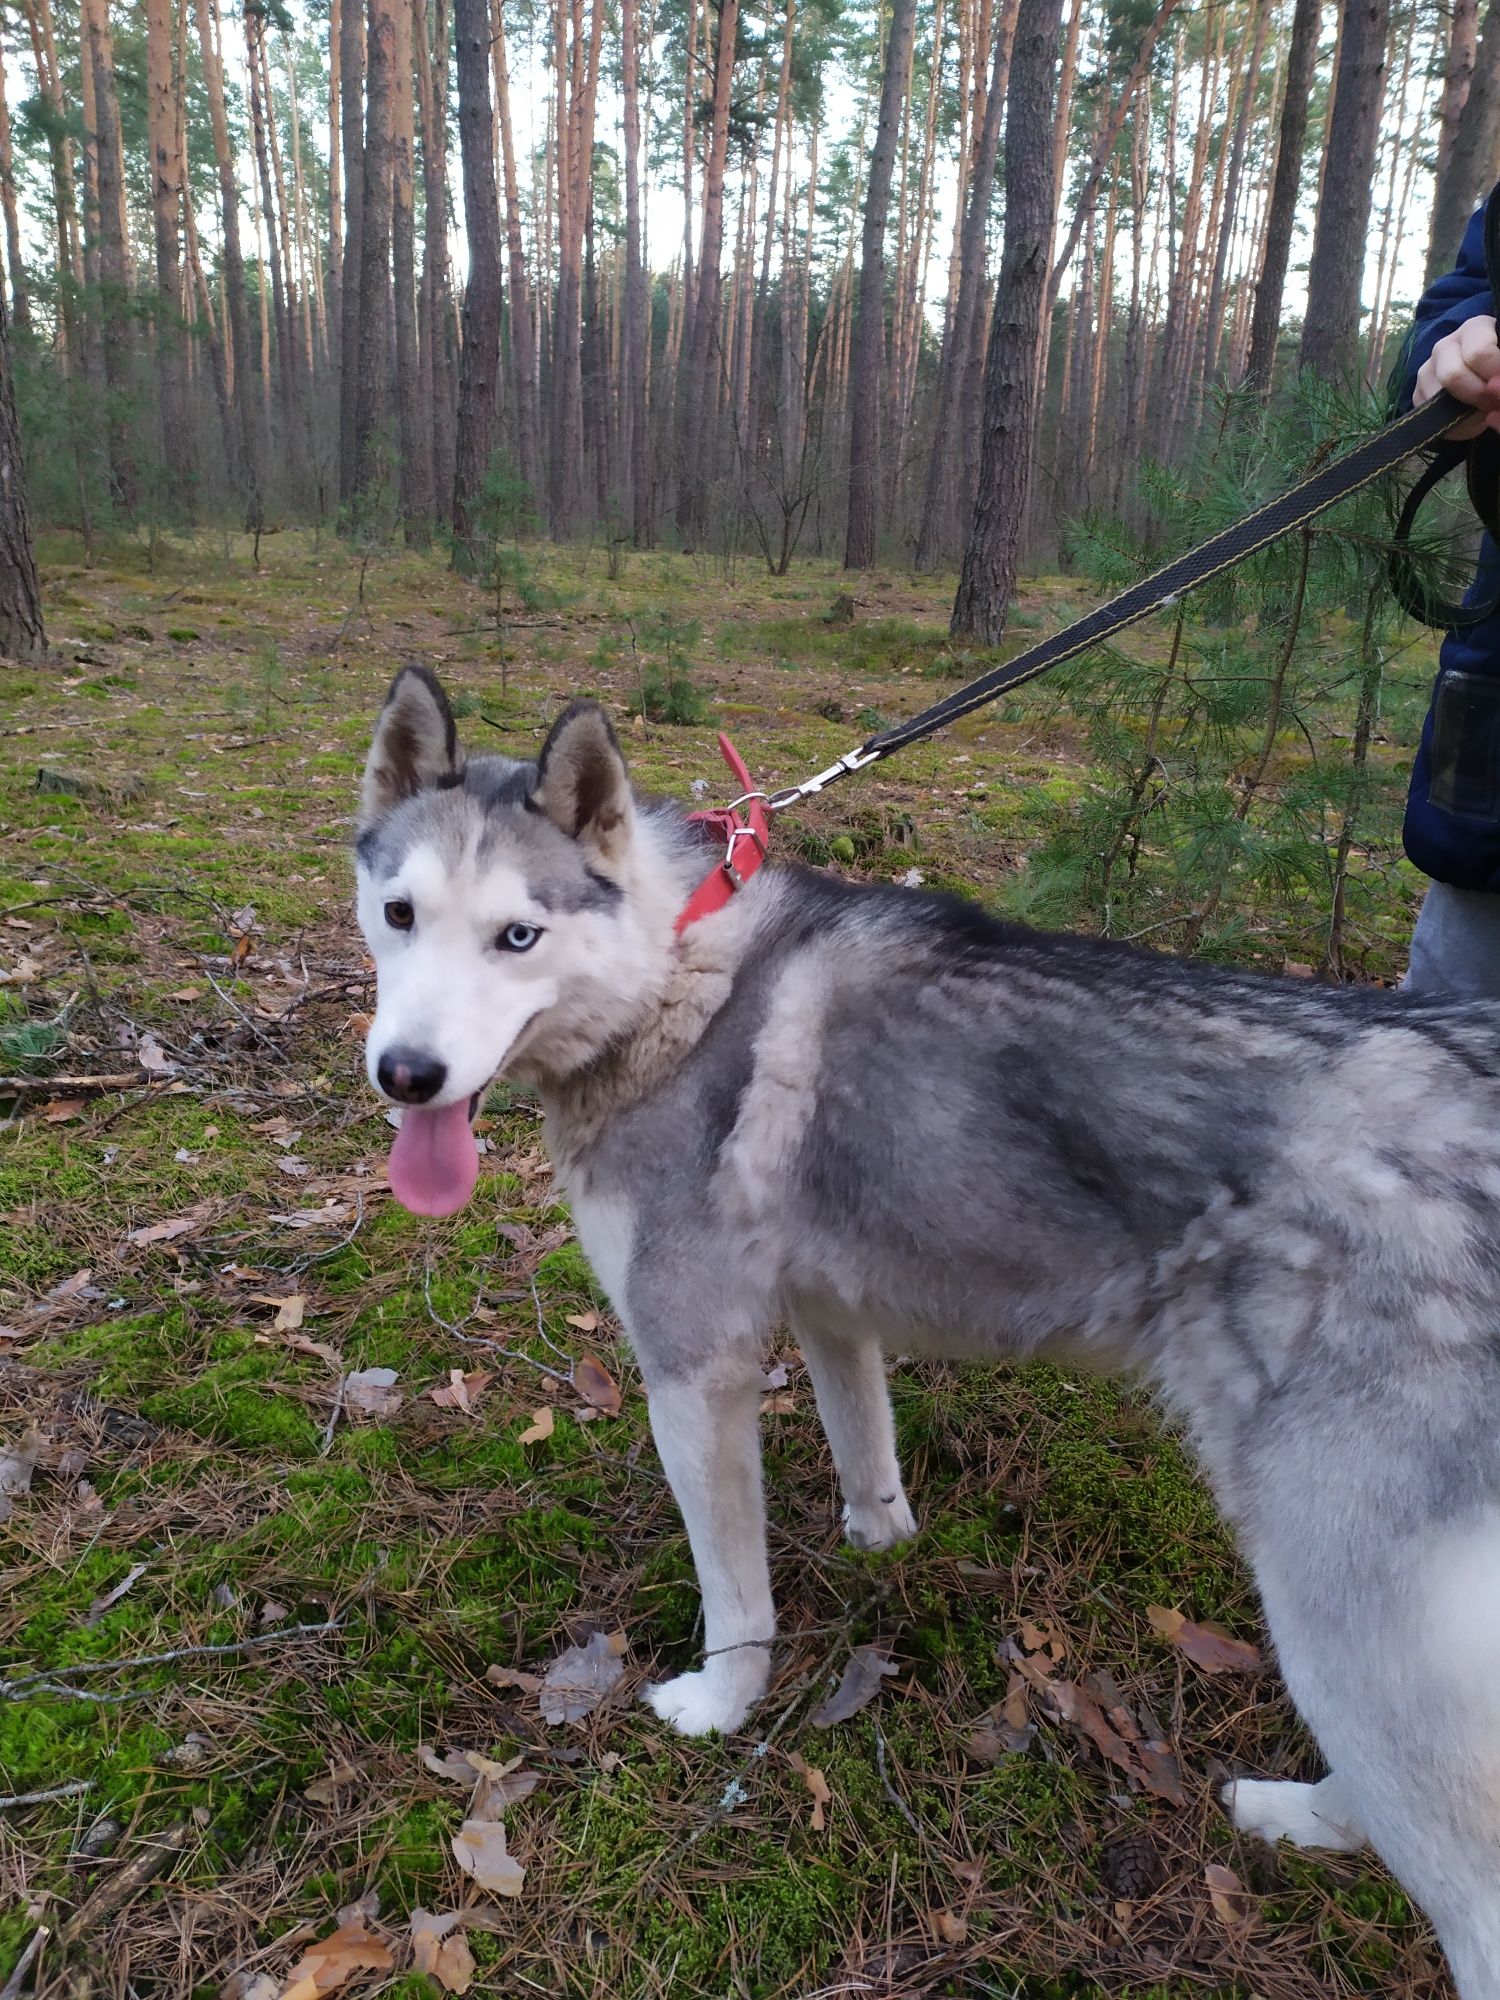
[[92, 332], [1226, 223], [953, 395], [1265, 322], [335, 174], [281, 209], [414, 421], [370, 397], [869, 324], [1330, 333], [20, 290], [1458, 73], [702, 353], [233, 263], [114, 286], [352, 139], [166, 183], [1472, 150], [1109, 139], [522, 327], [635, 457], [988, 579], [60, 156], [285, 366], [198, 292], [577, 84], [309, 262], [22, 636], [438, 389], [480, 364]]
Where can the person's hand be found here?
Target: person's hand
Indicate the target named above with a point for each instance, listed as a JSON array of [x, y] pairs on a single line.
[[1467, 364]]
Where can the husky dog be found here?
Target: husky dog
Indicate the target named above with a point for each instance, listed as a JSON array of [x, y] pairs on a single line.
[[888, 1121]]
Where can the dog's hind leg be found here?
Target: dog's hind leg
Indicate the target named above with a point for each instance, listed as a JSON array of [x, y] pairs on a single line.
[[706, 1426], [854, 1405], [1318, 1815]]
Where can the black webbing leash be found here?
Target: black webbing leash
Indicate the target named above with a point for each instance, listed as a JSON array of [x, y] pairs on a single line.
[[1418, 431], [1323, 489]]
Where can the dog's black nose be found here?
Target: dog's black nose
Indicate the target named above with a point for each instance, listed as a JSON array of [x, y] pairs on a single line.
[[409, 1076]]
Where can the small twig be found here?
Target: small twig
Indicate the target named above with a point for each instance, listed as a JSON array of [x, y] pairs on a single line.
[[333, 1417], [542, 1333], [494, 1346], [32, 1086], [69, 1791], [12, 1987], [890, 1790], [17, 1688]]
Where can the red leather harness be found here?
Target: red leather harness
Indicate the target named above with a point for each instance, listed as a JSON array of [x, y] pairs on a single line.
[[745, 836]]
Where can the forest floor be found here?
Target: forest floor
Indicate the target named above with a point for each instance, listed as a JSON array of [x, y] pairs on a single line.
[[197, 1269]]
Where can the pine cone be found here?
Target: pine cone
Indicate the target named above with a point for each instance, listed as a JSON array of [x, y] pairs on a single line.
[[1131, 1868]]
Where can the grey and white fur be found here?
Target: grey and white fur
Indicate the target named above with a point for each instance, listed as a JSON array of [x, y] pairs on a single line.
[[885, 1120]]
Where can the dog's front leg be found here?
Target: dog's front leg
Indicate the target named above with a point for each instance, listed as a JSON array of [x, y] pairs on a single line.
[[706, 1426]]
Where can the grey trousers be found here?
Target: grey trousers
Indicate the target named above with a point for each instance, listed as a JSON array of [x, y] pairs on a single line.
[[1455, 948]]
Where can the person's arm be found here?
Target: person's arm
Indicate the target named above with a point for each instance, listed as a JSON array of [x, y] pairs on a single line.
[[1453, 343]]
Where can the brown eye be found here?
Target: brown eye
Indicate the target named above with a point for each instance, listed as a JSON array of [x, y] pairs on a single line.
[[400, 915]]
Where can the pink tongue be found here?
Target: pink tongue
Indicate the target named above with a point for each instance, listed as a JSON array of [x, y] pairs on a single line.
[[434, 1162]]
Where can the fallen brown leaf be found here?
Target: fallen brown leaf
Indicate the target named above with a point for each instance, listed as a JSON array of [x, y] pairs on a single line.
[[440, 1949], [290, 1310], [585, 1322], [169, 1231], [325, 1791], [1005, 1730], [454, 1764], [500, 1785], [596, 1385], [102, 1604], [513, 1677], [1208, 1646], [325, 1967], [1233, 1903], [817, 1784], [1118, 1738], [861, 1683], [461, 1390], [371, 1392], [540, 1427], [949, 1926], [61, 1109], [250, 1986], [579, 1679], [479, 1849]]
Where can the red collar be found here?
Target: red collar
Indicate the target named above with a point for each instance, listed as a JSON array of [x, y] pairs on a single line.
[[745, 839]]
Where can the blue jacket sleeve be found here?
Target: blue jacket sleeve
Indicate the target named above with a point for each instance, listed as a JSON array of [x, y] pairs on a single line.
[[1446, 304]]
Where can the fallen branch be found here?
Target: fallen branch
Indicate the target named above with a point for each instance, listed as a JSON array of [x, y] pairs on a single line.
[[12, 1988], [69, 1791], [17, 1689], [126, 1883], [32, 1086]]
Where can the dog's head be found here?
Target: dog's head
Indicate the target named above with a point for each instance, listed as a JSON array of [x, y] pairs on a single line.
[[505, 908]]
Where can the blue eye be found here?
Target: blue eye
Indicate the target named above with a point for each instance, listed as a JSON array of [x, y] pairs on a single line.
[[518, 937]]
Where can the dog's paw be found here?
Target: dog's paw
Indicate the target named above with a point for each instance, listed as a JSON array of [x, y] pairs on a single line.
[[880, 1524], [1306, 1815], [719, 1696]]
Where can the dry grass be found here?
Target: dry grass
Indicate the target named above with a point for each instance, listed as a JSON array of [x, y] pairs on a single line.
[[188, 918]]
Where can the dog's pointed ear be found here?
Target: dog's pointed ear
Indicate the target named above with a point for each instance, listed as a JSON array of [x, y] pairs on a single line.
[[416, 744], [581, 781]]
